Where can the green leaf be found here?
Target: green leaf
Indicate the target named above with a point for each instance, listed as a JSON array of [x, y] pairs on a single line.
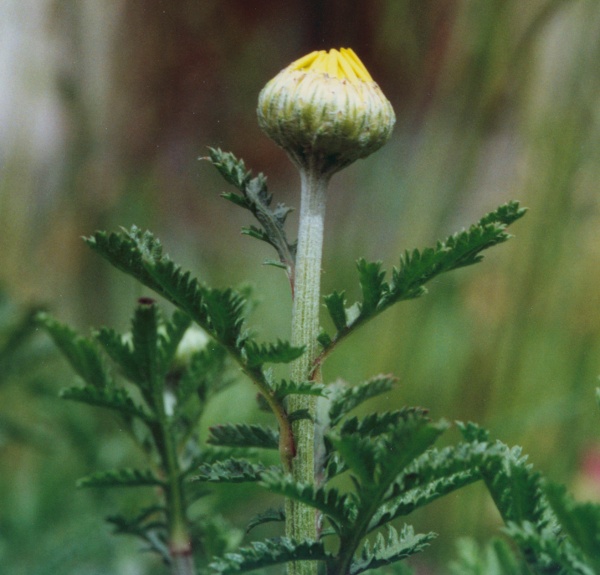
[[348, 398], [496, 558], [339, 509], [384, 551], [268, 516], [144, 330], [376, 424], [336, 306], [225, 314], [116, 399], [415, 270], [580, 521], [372, 284], [514, 487], [283, 388], [417, 498], [230, 471], [243, 435], [359, 454], [268, 553], [279, 352], [81, 353], [121, 478], [257, 200], [127, 251], [459, 250], [120, 349], [169, 340]]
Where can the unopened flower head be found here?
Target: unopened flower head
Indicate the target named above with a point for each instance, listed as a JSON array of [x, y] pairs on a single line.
[[325, 110]]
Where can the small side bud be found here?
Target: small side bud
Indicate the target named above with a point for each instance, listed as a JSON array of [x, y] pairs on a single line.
[[326, 111]]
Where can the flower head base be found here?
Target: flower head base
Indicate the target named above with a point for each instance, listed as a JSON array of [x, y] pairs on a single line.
[[326, 111]]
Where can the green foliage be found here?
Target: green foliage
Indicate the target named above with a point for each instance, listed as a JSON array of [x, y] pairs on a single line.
[[389, 458], [416, 268], [347, 399], [395, 547], [279, 352], [121, 478], [257, 200], [230, 471], [495, 559], [243, 435], [172, 390], [81, 352], [268, 553]]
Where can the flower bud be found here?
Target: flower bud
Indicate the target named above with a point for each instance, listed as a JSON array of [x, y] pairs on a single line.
[[326, 111]]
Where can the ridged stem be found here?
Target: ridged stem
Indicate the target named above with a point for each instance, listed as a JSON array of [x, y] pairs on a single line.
[[301, 520]]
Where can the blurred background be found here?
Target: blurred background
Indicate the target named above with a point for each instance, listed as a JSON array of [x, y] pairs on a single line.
[[105, 107]]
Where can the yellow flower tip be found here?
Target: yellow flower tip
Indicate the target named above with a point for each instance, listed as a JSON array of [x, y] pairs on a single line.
[[325, 110], [343, 64]]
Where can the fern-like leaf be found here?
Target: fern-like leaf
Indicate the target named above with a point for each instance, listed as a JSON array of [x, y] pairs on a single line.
[[268, 516], [372, 285], [230, 471], [115, 399], [283, 388], [336, 306], [385, 551], [257, 200], [347, 399], [243, 435], [279, 352], [340, 509], [417, 267], [81, 353], [580, 521], [121, 478], [268, 553]]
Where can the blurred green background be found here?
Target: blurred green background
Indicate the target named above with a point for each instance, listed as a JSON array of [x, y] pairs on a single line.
[[105, 106]]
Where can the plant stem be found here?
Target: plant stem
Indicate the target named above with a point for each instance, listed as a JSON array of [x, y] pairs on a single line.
[[301, 520], [180, 547]]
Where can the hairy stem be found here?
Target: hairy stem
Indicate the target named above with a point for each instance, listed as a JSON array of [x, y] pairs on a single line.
[[301, 520], [180, 547]]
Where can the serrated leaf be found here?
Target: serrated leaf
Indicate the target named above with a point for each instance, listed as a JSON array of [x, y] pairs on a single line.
[[243, 435], [372, 285], [268, 553], [127, 251], [225, 314], [81, 353], [144, 331], [347, 399], [375, 424], [336, 306], [121, 478], [385, 551], [359, 454], [339, 509], [174, 332], [514, 487], [417, 267], [418, 498], [115, 398], [230, 471], [257, 200], [283, 388], [459, 250], [279, 352], [268, 516], [580, 521]]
